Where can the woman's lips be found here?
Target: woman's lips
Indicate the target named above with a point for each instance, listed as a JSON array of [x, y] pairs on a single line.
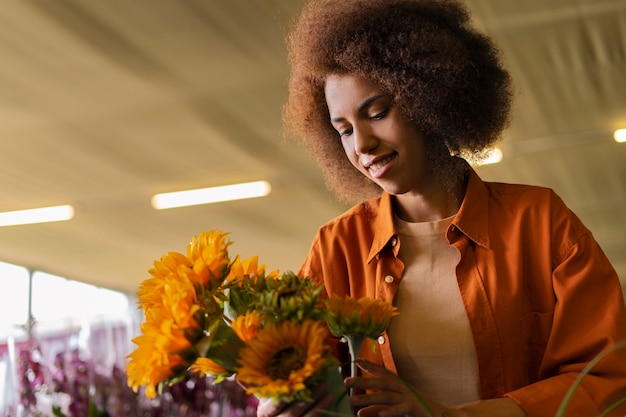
[[376, 168]]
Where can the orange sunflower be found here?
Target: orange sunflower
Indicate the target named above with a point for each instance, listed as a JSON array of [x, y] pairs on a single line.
[[208, 253], [207, 367], [285, 359], [246, 326], [241, 268], [181, 301], [365, 317], [250, 269], [150, 294], [156, 358]]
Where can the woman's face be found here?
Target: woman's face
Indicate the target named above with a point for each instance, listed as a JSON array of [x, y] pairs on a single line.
[[378, 140]]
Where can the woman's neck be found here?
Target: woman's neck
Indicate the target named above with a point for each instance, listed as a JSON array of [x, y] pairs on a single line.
[[436, 203]]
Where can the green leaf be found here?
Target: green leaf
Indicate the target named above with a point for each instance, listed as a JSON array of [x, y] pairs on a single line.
[[56, 411], [224, 347], [336, 386], [93, 411], [583, 373]]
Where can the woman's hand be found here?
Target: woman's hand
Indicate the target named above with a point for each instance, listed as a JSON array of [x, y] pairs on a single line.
[[322, 400], [387, 395]]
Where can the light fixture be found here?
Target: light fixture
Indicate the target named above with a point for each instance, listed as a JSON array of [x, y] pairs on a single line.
[[620, 135], [211, 195], [493, 157], [37, 215]]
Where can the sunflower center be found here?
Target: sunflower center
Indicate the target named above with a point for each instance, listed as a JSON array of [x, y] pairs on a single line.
[[285, 360]]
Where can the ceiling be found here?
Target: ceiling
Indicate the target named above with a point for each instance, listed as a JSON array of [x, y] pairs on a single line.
[[105, 103]]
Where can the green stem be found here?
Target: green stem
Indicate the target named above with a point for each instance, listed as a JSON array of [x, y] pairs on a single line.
[[354, 346], [612, 407]]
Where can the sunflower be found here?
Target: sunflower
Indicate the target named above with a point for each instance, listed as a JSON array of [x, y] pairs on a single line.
[[207, 367], [363, 317], [245, 268], [170, 296], [150, 293], [180, 300], [208, 253], [285, 359], [244, 285], [157, 357], [292, 298], [246, 326]]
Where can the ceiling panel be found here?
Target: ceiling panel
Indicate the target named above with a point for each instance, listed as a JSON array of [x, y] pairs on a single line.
[[103, 104]]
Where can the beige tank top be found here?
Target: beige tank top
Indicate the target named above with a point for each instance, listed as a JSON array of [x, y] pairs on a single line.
[[431, 339]]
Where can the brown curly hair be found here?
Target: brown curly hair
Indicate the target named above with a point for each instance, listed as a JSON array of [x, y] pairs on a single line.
[[445, 76]]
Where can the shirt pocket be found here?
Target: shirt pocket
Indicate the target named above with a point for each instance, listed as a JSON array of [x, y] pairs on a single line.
[[536, 329]]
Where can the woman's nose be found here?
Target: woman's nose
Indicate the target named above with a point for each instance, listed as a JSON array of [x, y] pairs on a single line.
[[364, 140]]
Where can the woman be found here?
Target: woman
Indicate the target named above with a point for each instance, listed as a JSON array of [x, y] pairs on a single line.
[[504, 295]]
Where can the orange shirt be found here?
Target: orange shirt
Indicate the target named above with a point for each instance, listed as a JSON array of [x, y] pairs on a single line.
[[541, 297]]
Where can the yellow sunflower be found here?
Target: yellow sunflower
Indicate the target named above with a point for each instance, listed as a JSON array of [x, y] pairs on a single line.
[[246, 326], [181, 300], [208, 254], [249, 268], [151, 290], [365, 317], [241, 268], [170, 296], [285, 359], [207, 367], [156, 359]]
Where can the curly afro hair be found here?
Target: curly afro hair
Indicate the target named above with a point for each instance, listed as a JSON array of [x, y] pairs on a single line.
[[445, 76]]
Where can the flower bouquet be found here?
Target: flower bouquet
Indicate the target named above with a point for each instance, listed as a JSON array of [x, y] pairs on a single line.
[[227, 318]]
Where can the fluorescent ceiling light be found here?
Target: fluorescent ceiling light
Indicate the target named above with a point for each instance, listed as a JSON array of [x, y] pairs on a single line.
[[38, 215], [620, 136], [211, 195]]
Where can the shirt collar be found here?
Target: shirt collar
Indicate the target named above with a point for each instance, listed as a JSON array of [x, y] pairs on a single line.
[[384, 228], [472, 218]]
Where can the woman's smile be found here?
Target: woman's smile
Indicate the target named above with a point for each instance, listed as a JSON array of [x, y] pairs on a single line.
[[378, 166], [376, 137]]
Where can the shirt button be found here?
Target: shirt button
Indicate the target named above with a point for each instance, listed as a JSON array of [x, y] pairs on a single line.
[[393, 241], [389, 279], [381, 340]]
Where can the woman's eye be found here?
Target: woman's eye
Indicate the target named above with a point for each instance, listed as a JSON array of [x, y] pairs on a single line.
[[380, 115], [345, 132]]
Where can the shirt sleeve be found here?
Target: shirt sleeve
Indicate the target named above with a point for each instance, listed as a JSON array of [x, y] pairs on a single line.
[[589, 320]]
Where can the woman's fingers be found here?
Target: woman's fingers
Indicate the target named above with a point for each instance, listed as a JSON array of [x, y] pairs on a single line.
[[269, 408], [322, 401], [386, 404], [383, 393], [376, 383]]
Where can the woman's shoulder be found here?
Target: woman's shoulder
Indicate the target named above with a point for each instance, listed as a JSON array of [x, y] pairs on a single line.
[[540, 203], [481, 192], [524, 194], [507, 188], [363, 211]]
